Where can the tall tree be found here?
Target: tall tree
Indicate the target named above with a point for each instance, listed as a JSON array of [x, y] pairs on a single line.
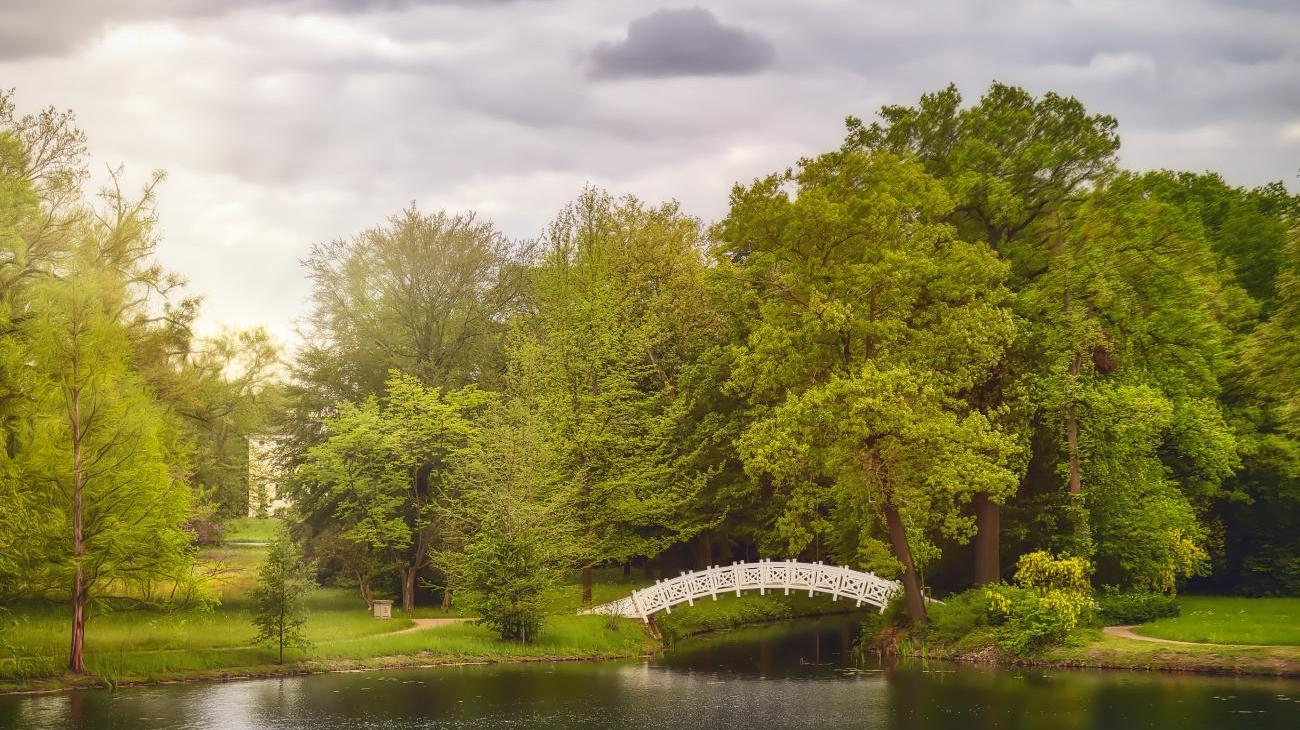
[[870, 319], [426, 294], [112, 511], [617, 299], [385, 465], [1010, 163], [512, 513]]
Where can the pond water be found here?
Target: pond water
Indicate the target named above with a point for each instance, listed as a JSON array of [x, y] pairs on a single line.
[[797, 675]]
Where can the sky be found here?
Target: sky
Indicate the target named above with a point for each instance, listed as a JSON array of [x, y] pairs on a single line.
[[282, 123]]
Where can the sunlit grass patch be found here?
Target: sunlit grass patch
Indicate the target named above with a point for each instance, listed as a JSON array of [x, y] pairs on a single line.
[[1231, 620], [251, 529]]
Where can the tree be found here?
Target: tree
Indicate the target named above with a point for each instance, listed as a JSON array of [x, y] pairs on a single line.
[[385, 465], [1010, 163], [111, 513], [426, 294], [870, 319], [279, 608], [517, 532], [617, 301]]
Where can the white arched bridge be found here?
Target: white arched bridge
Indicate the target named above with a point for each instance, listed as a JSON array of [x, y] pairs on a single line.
[[763, 576]]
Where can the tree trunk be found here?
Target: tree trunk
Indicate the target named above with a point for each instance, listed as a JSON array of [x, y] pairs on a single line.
[[911, 582], [703, 551], [76, 656], [988, 520], [586, 585], [363, 585], [408, 588], [76, 653], [627, 568], [446, 599]]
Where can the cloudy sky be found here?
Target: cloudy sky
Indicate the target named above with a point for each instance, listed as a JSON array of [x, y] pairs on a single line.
[[285, 122]]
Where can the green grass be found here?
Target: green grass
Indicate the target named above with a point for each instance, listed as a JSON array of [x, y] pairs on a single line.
[[1091, 648], [1231, 620], [730, 611], [252, 529], [132, 646]]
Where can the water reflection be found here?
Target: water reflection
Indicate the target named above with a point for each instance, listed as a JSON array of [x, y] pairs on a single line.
[[792, 676]]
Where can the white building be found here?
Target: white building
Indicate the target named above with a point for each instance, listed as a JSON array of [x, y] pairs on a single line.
[[264, 498]]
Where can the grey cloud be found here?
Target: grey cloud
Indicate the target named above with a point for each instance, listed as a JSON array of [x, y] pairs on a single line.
[[682, 42], [51, 27]]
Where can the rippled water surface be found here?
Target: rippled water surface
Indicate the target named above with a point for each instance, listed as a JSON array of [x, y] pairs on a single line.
[[798, 675]]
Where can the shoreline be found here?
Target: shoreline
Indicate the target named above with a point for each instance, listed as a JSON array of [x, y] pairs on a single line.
[[272, 671], [1105, 652]]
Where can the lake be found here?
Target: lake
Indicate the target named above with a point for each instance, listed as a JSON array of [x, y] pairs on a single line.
[[801, 674]]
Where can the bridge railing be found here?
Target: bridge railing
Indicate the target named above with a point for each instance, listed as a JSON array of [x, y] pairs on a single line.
[[787, 575]]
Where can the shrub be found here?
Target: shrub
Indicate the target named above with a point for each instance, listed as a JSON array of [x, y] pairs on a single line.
[[961, 614], [1043, 571], [1053, 598], [1136, 607]]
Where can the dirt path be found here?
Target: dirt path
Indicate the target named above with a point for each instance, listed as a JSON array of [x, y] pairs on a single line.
[[1126, 632], [422, 624]]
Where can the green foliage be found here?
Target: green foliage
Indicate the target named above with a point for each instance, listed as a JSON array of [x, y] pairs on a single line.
[[867, 319], [1053, 598], [961, 614], [619, 305], [1037, 621], [278, 601], [1044, 572], [517, 532], [1135, 606], [385, 465]]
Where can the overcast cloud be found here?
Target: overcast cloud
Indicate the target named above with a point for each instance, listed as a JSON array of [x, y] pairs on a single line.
[[287, 122]]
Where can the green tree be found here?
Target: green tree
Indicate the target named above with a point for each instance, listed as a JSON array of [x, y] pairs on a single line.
[[385, 465], [870, 319], [1010, 163], [426, 294], [617, 298], [516, 524], [279, 606], [110, 512]]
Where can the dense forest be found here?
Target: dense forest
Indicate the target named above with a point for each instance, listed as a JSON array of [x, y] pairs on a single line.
[[964, 335]]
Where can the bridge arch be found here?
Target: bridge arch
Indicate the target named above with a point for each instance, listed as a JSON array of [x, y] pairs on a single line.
[[763, 576]]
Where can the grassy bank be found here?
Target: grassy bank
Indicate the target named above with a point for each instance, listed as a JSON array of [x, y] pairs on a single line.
[[1220, 625], [730, 611], [127, 647]]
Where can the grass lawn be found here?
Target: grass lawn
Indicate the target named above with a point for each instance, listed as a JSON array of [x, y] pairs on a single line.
[[252, 529], [1091, 648], [129, 646], [1231, 620]]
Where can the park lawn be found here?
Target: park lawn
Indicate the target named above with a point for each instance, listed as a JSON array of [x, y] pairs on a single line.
[[1231, 620], [1092, 648], [145, 646], [252, 529]]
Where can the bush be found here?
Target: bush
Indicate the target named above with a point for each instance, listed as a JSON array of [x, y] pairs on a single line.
[[1053, 598], [1136, 607], [959, 615], [1035, 621]]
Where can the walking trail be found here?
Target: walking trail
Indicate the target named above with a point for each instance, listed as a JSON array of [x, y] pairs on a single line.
[[422, 624]]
